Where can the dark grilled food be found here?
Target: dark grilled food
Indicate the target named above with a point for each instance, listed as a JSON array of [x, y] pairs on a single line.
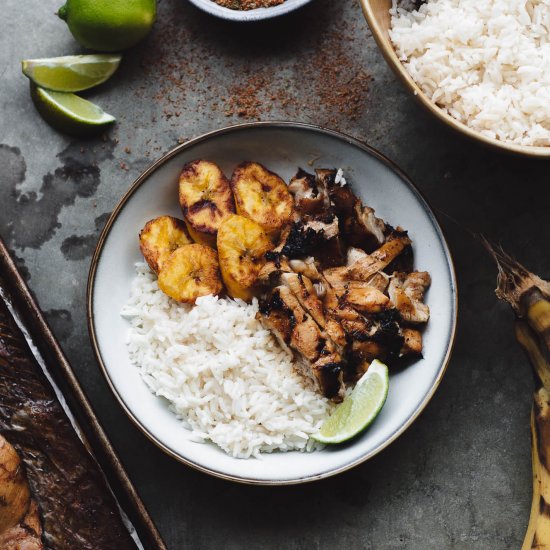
[[358, 224], [339, 286], [296, 329], [20, 525], [69, 500], [316, 231]]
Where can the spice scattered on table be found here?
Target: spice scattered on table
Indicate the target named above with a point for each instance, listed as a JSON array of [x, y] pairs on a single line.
[[317, 77]]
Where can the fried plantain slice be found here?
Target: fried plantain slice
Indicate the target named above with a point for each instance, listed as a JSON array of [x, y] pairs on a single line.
[[261, 196], [189, 272], [160, 237], [242, 244], [205, 199]]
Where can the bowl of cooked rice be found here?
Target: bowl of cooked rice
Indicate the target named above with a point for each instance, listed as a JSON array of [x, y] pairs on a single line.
[[215, 383], [480, 66]]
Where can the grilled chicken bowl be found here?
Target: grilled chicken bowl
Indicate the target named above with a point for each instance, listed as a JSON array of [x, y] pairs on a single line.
[[263, 293]]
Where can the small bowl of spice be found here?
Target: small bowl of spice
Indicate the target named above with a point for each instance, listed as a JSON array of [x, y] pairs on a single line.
[[248, 10]]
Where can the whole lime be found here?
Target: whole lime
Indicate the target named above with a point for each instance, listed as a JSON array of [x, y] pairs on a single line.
[[109, 25]]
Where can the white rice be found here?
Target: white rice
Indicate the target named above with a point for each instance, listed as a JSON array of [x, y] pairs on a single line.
[[485, 62], [222, 373]]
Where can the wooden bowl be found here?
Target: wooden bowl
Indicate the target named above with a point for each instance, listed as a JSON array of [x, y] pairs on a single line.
[[378, 18]]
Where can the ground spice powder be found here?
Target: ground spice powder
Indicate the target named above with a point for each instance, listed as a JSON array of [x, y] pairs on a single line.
[[309, 67], [248, 4]]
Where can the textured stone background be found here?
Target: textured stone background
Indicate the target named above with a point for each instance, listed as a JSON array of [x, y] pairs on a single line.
[[460, 476]]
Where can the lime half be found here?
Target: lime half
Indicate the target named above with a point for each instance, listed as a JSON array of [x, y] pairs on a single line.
[[359, 409], [71, 73], [69, 113]]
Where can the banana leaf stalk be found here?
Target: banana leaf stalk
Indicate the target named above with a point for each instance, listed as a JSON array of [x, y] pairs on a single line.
[[529, 296]]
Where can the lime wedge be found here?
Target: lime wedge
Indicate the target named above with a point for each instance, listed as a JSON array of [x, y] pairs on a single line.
[[72, 73], [359, 409], [69, 113]]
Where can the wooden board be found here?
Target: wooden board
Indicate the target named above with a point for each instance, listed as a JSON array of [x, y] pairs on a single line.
[[26, 313]]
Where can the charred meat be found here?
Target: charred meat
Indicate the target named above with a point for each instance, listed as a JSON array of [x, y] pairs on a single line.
[[20, 524], [358, 224], [309, 198], [406, 292], [339, 287], [57, 495], [316, 230], [283, 314]]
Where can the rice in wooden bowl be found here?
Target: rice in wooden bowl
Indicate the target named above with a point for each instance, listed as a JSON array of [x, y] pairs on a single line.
[[482, 67]]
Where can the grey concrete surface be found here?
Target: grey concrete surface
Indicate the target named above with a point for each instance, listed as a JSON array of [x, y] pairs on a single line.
[[459, 478]]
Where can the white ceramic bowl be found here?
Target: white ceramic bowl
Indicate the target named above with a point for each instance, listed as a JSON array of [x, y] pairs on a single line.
[[282, 147], [258, 14]]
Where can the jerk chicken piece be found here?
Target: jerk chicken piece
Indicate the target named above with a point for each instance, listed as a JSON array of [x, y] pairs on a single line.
[[310, 199], [345, 302], [412, 342], [307, 294], [369, 265], [403, 262], [362, 353], [302, 239], [336, 307], [384, 340], [375, 262], [275, 263], [317, 237], [358, 223], [283, 315], [330, 286], [363, 297], [363, 333], [298, 277], [406, 292], [380, 279], [340, 277], [304, 290], [316, 230]]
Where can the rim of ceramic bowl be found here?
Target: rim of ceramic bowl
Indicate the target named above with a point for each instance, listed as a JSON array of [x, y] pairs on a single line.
[[388, 52], [248, 16], [252, 126]]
